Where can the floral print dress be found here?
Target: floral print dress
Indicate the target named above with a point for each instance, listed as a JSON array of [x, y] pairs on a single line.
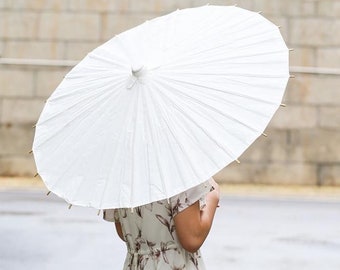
[[150, 234]]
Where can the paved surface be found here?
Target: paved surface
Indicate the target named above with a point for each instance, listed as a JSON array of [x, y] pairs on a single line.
[[249, 232]]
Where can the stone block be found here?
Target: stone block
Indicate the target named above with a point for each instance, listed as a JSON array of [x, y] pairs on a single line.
[[273, 7], [69, 27], [303, 56], [267, 149], [314, 145], [16, 140], [329, 8], [329, 117], [163, 7], [314, 32], [19, 24], [149, 6], [21, 111], [316, 90], [295, 117], [2, 46], [288, 173], [269, 173], [328, 57], [330, 174], [172, 5], [55, 5], [113, 24], [290, 7], [16, 82], [237, 173], [302, 7], [17, 166], [48, 80], [78, 50], [33, 49], [99, 5]]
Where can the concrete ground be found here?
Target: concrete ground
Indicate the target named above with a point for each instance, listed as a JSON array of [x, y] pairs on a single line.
[[256, 227]]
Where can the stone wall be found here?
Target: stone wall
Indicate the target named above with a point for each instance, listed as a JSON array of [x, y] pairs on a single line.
[[303, 146]]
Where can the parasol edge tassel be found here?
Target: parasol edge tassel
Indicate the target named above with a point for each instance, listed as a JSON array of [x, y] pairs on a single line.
[[291, 76], [283, 105], [69, 206], [259, 12], [36, 174], [238, 162], [98, 213], [48, 193], [291, 49], [264, 134], [30, 152]]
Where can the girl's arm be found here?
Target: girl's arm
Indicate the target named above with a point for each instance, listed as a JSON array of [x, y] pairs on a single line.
[[193, 225]]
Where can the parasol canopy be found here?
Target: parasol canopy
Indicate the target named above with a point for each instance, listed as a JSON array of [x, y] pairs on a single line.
[[161, 107]]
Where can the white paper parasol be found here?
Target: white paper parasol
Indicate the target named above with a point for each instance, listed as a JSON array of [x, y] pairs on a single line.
[[161, 107]]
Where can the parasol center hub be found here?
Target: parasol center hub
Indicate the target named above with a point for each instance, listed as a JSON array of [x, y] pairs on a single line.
[[138, 71], [138, 74]]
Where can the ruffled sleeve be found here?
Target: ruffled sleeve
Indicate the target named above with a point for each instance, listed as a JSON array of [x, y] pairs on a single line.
[[111, 215], [183, 200]]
